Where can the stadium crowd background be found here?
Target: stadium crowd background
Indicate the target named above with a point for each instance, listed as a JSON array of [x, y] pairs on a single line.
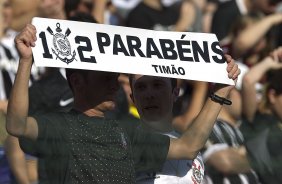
[[246, 143]]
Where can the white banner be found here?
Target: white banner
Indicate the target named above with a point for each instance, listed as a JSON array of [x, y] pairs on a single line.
[[185, 55]]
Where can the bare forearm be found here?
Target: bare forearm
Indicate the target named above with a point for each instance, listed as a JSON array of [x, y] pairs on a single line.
[[195, 137], [256, 72], [249, 100], [201, 127], [18, 102], [99, 10], [16, 160], [251, 35], [187, 17], [198, 99], [183, 121]]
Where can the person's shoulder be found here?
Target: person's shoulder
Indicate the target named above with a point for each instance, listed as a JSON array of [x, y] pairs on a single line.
[[50, 117]]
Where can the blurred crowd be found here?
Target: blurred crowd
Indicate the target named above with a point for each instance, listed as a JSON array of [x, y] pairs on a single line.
[[245, 145]]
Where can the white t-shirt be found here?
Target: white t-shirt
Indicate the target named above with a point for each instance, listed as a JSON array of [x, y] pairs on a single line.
[[175, 171]]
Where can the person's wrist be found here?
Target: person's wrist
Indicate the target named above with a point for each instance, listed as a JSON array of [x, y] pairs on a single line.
[[26, 61], [219, 99], [221, 90]]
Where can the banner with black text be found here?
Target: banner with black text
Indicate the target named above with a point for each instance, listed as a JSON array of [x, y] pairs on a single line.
[[185, 55]]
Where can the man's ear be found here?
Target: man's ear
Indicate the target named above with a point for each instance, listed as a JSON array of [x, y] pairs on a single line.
[[175, 93]]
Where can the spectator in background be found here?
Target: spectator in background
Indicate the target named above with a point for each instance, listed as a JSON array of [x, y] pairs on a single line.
[[96, 8], [8, 33], [151, 14], [52, 9], [231, 10], [5, 171], [23, 12], [224, 154], [257, 36], [7, 56], [74, 6], [259, 113], [262, 42], [180, 16], [208, 10], [262, 123], [154, 98], [24, 167], [5, 81]]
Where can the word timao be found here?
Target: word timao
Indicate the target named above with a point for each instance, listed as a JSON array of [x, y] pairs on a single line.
[[183, 50]]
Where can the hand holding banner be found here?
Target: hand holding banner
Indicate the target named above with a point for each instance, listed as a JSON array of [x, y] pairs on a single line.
[[185, 55]]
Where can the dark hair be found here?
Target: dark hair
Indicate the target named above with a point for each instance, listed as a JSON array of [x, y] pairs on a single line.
[[273, 82], [72, 5], [173, 81], [83, 17]]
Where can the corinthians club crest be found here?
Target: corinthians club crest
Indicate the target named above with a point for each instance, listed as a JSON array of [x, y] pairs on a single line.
[[62, 44]]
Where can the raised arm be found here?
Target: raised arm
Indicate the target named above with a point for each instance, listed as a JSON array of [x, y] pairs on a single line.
[[99, 10], [187, 16], [195, 137], [183, 121], [17, 122], [252, 34], [253, 76]]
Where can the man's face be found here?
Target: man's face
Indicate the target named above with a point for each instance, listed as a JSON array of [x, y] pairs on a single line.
[[101, 86], [153, 97]]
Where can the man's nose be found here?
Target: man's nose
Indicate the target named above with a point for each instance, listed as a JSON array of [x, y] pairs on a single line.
[[149, 94]]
